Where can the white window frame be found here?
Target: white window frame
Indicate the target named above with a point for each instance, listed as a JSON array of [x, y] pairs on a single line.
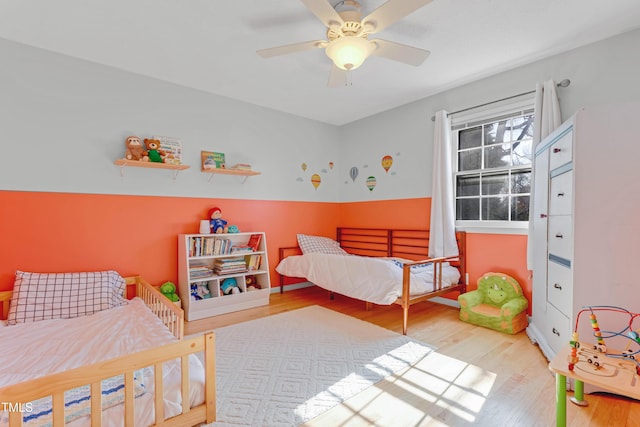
[[520, 105]]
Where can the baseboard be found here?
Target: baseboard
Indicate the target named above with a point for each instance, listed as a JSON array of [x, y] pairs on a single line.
[[276, 289], [446, 301]]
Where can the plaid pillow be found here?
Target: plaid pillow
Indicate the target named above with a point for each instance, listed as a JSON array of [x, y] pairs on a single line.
[[323, 245], [42, 296]]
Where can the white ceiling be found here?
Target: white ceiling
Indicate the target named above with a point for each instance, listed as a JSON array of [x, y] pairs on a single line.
[[211, 45]]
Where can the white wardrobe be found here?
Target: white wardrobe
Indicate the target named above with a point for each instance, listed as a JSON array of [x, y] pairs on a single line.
[[586, 231]]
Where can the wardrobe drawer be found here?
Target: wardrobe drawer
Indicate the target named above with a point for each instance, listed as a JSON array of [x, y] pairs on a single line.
[[561, 194], [558, 330], [559, 286], [561, 236], [561, 152]]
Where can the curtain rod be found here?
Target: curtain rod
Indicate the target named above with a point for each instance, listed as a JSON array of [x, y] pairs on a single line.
[[563, 83]]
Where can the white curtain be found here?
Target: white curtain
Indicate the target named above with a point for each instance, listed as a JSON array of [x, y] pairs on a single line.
[[547, 119], [442, 238]]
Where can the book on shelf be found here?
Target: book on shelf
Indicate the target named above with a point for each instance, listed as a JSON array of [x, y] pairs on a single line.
[[231, 265], [212, 160], [200, 272], [254, 242], [172, 148], [253, 262], [241, 248]]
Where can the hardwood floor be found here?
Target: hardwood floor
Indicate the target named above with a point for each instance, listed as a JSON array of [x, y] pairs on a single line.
[[475, 377]]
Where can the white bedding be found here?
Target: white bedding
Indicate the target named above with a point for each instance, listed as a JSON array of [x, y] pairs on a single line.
[[36, 349], [377, 280]]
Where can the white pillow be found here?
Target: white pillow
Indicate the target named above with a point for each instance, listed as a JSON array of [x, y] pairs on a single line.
[[324, 245], [42, 296]]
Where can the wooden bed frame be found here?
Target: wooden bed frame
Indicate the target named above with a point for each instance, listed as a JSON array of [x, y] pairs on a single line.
[[173, 317], [408, 244]]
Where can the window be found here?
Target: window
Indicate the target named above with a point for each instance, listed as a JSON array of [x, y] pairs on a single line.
[[493, 170]]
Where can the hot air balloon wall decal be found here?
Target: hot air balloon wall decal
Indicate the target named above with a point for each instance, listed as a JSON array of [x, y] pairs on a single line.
[[315, 180], [353, 173], [371, 183], [386, 162]]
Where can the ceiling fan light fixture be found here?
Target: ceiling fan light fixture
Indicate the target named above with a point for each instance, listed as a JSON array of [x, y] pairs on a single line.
[[349, 52]]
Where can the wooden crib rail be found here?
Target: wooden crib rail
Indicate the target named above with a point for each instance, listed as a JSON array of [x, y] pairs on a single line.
[[5, 298], [167, 311], [55, 385]]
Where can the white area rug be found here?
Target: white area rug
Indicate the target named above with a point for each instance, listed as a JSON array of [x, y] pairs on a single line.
[[286, 369]]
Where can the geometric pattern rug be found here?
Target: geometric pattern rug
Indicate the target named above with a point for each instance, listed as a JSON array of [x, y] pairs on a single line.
[[286, 369]]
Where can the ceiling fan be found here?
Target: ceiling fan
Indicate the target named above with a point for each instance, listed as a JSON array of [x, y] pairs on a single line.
[[348, 44]]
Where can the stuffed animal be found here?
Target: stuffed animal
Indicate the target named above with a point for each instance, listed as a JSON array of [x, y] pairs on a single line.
[[252, 284], [168, 289], [217, 224], [135, 150], [153, 150], [200, 291], [233, 229], [230, 286]]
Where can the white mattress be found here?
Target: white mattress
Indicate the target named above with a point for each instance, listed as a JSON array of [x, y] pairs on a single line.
[[377, 280], [36, 349]]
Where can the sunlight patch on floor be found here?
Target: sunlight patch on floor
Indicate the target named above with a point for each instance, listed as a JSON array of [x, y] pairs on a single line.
[[442, 390]]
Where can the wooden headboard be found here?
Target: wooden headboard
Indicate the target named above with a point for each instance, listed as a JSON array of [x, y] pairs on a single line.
[[391, 242]]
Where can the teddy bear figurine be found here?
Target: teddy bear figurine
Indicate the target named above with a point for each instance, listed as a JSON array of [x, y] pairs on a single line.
[[135, 150], [153, 150]]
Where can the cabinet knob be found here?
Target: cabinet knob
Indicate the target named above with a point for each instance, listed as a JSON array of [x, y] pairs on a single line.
[[557, 286], [557, 150], [561, 194], [543, 215], [555, 331], [559, 235]]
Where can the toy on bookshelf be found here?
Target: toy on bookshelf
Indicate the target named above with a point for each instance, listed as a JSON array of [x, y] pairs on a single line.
[[590, 352], [218, 225], [230, 286], [200, 291], [252, 283]]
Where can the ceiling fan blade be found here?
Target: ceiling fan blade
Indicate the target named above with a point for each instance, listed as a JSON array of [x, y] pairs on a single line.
[[390, 13], [291, 48], [337, 77], [400, 52], [325, 12]]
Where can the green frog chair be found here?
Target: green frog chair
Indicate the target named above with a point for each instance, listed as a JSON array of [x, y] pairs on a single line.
[[498, 304]]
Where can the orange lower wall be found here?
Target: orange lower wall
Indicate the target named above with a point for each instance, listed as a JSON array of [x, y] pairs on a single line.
[[55, 232]]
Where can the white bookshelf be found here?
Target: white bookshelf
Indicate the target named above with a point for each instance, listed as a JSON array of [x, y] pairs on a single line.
[[197, 258]]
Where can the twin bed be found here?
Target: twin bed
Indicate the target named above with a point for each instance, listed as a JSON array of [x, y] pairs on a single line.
[[391, 267], [100, 359]]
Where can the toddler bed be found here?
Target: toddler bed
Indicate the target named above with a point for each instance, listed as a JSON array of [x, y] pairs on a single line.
[[95, 358], [390, 266]]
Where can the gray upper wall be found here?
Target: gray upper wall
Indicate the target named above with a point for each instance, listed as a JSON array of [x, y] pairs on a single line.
[[64, 122]]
